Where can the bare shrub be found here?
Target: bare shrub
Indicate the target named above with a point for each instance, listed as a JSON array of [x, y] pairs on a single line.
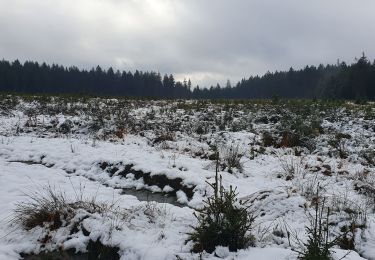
[[52, 207], [339, 143], [299, 130], [369, 156], [231, 158], [164, 136], [268, 139], [353, 213], [365, 185], [356, 211], [292, 166], [155, 212], [32, 118], [307, 186]]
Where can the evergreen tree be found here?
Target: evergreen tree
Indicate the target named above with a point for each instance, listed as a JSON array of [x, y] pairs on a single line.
[[339, 81]]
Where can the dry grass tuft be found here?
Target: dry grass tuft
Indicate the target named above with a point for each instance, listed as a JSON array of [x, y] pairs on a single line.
[[51, 207]]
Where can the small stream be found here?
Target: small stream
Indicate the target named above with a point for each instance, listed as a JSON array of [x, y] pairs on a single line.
[[141, 195], [56, 255], [95, 251], [146, 195]]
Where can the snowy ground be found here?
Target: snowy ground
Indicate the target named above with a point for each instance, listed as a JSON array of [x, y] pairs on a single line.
[[68, 146]]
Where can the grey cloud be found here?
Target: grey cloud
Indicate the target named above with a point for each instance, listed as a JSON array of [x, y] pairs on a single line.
[[207, 40]]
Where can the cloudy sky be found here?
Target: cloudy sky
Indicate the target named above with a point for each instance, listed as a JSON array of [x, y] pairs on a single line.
[[208, 41]]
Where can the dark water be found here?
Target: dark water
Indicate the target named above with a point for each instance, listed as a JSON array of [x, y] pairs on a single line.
[[95, 251], [57, 256], [146, 195]]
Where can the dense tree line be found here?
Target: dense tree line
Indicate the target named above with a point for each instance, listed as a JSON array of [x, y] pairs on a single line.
[[339, 81], [32, 77]]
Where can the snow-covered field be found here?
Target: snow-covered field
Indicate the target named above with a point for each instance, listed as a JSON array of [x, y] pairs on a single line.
[[151, 160]]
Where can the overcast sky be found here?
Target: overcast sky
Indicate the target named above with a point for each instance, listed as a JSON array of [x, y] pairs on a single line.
[[208, 41]]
